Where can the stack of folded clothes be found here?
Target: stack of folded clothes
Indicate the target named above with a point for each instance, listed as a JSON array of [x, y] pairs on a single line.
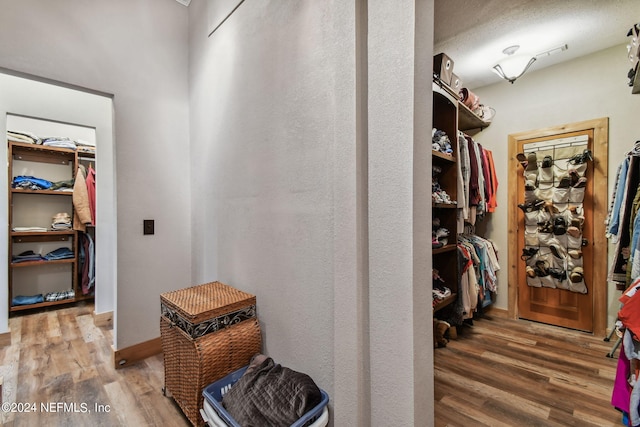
[[30, 183], [85, 146], [22, 136], [59, 296], [27, 256], [59, 141], [61, 221], [27, 299], [60, 253]]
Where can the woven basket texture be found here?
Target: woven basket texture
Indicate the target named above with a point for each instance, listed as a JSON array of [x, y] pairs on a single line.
[[203, 302], [191, 365]]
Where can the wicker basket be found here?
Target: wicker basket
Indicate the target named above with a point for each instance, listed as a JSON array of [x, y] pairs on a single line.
[[207, 332]]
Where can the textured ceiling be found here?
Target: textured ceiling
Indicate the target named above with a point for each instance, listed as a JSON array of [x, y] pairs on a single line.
[[473, 33]]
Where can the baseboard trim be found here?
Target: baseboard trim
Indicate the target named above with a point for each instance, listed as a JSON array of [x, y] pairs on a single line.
[[103, 319], [5, 339], [135, 353], [498, 312]]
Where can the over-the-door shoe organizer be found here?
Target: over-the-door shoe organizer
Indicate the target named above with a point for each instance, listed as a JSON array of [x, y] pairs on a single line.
[[553, 210]]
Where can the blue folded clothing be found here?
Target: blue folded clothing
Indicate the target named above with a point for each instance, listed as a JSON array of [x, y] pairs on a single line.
[[27, 299], [60, 253], [31, 183], [27, 256]]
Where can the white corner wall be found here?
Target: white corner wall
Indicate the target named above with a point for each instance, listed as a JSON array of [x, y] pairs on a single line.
[[587, 88], [136, 51], [301, 201]]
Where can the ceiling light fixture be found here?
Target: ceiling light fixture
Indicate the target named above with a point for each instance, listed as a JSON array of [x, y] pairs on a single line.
[[513, 66]]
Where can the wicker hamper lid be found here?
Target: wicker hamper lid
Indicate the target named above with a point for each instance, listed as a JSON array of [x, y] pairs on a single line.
[[206, 301]]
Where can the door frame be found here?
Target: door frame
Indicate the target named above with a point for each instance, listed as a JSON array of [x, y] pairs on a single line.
[[600, 150]]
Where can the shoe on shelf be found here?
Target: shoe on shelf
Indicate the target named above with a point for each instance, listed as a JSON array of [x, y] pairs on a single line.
[[575, 253], [534, 205], [581, 183], [522, 159], [565, 182], [532, 162], [577, 274], [528, 253], [557, 251]]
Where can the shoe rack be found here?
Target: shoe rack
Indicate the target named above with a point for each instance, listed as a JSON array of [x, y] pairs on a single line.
[[449, 116], [445, 197]]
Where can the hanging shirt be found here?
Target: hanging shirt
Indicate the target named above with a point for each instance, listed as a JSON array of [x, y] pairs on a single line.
[[91, 190]]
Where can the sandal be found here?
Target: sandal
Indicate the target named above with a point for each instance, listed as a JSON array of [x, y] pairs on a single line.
[[581, 183], [577, 274], [558, 273], [545, 227], [541, 269], [528, 253], [535, 205], [557, 251]]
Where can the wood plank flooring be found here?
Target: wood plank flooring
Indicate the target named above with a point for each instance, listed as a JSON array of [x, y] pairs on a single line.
[[59, 357], [497, 373], [502, 372]]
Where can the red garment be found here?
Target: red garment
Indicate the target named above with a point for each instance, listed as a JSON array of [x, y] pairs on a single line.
[[629, 314], [91, 190], [492, 201]]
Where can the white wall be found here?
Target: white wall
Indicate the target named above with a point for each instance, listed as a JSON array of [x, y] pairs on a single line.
[[300, 202], [136, 51], [586, 88]]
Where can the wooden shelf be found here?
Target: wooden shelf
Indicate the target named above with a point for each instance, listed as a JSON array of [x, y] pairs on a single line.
[[64, 161], [41, 236], [49, 192], [444, 206], [445, 248], [468, 121], [49, 303], [443, 156], [445, 302], [43, 262], [42, 153]]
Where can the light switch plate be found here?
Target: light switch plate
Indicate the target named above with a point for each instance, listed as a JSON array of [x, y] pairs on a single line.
[[148, 226]]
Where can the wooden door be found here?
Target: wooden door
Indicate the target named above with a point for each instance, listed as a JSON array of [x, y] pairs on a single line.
[[579, 306]]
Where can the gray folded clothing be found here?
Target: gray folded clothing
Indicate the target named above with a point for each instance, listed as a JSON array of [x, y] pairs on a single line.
[[270, 395]]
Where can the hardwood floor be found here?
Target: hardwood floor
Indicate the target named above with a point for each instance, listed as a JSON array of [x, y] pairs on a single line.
[[497, 373], [502, 372], [59, 357]]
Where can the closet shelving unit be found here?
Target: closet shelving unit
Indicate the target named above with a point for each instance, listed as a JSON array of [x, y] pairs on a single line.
[[449, 115], [35, 154]]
